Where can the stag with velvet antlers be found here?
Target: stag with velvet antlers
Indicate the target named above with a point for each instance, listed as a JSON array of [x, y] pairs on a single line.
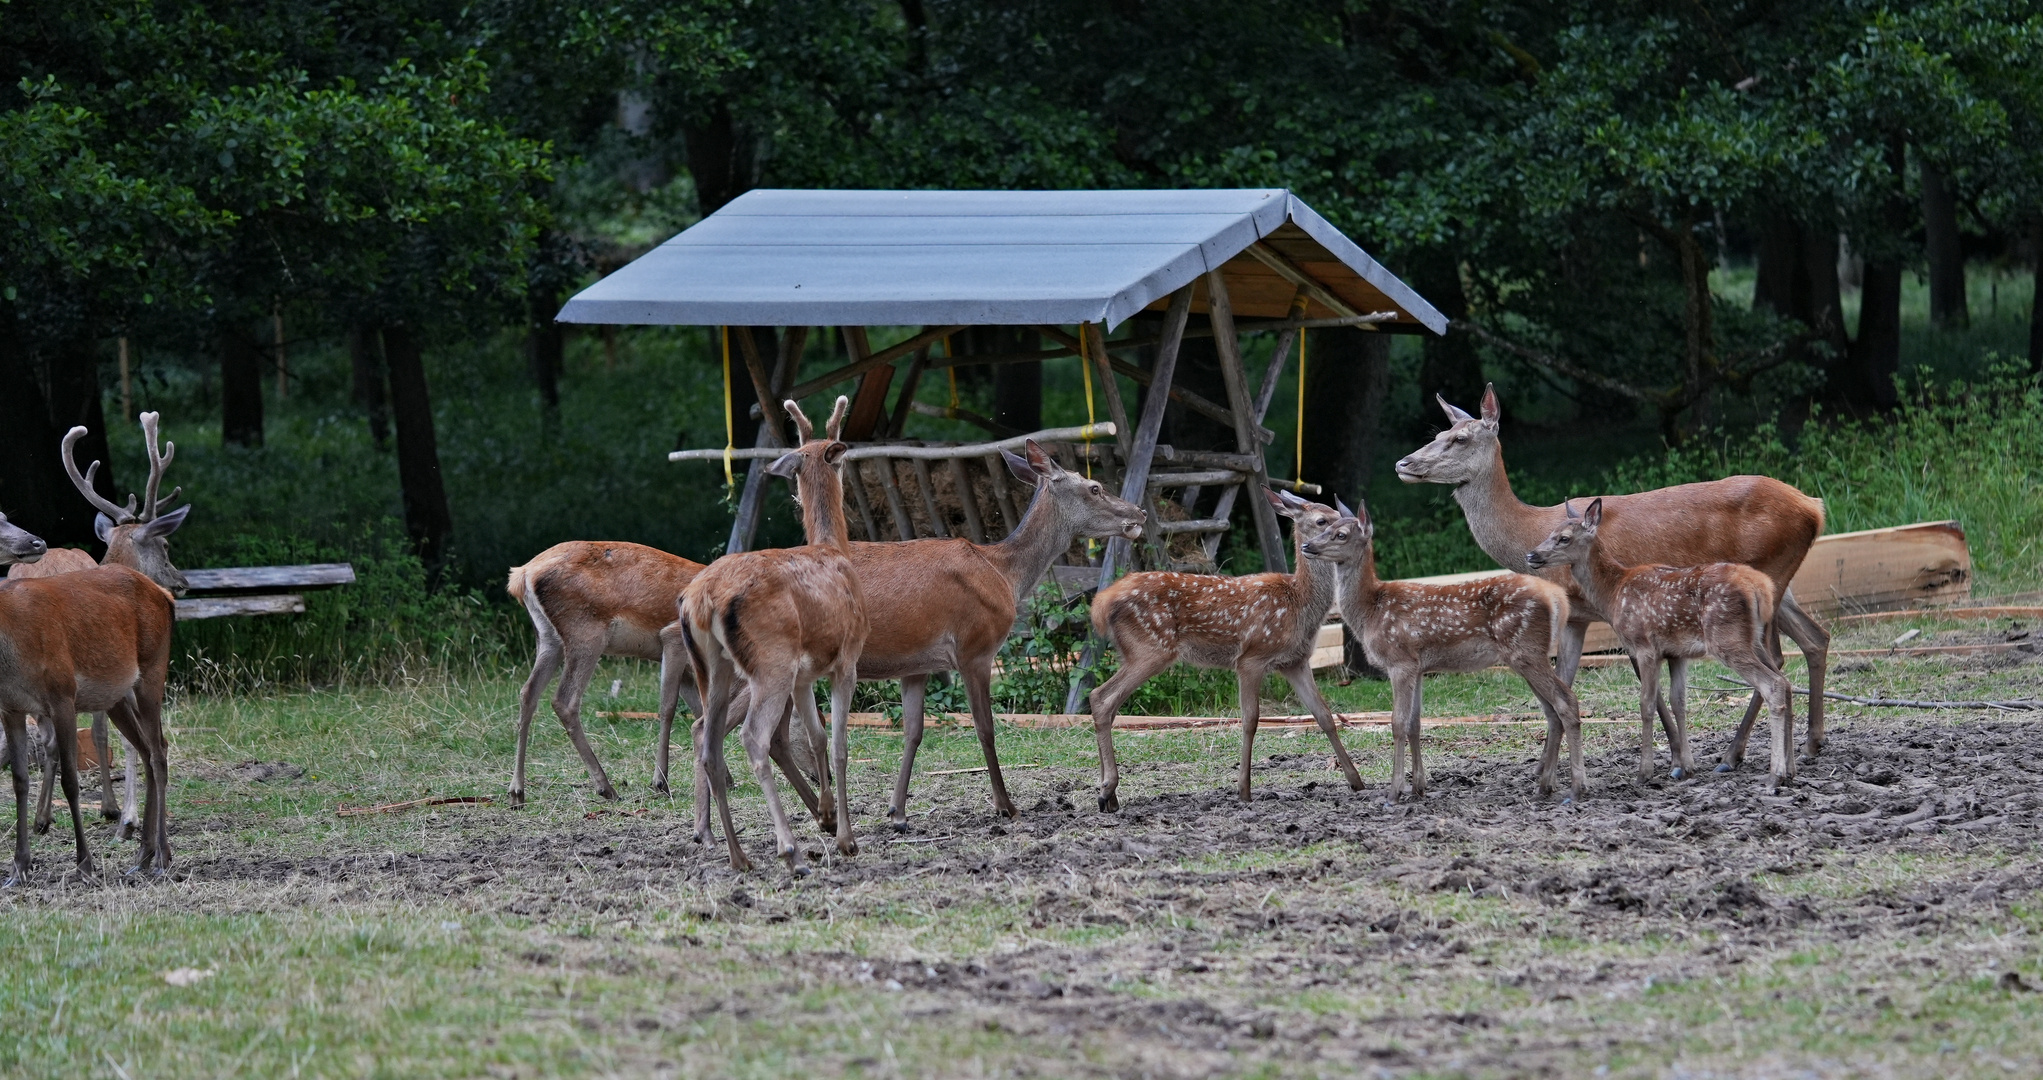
[[1756, 521], [1720, 610], [779, 620], [1410, 629], [136, 536], [1255, 624]]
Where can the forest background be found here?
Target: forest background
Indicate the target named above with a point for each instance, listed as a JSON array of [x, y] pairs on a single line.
[[326, 240]]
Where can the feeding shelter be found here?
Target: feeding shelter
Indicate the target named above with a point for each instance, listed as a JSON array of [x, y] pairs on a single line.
[[1072, 266]]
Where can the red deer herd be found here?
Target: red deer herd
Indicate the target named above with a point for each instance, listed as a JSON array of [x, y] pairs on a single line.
[[1680, 573]]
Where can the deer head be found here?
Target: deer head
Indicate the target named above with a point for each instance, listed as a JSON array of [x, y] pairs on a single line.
[[814, 469], [1086, 504], [1569, 544], [1467, 449], [135, 537], [18, 545], [1308, 518], [1346, 540]]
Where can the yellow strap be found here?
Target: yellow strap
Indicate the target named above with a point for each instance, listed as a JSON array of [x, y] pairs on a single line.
[[730, 428], [1085, 367], [1298, 459]]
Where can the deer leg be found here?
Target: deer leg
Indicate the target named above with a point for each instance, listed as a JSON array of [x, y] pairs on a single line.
[[109, 806], [1677, 734], [1773, 686], [782, 752], [1302, 684], [757, 735], [978, 677], [1414, 731], [709, 751], [1649, 707], [802, 711], [65, 727], [677, 684], [1107, 699], [131, 813], [1556, 701], [567, 704], [143, 715], [710, 724], [913, 689], [1248, 690], [1791, 619], [544, 667], [17, 747], [44, 796], [1573, 635], [842, 685]]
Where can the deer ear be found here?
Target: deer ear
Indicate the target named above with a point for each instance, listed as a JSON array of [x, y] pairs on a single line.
[[1491, 411], [1019, 466], [103, 527], [803, 428], [1454, 415], [1041, 461], [835, 427], [1593, 517], [785, 465], [164, 525], [1342, 508], [834, 453], [1282, 504], [1569, 506]]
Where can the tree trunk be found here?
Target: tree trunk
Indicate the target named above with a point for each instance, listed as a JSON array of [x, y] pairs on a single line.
[[1876, 355], [1347, 378], [418, 451], [1699, 318], [366, 357], [2036, 301], [545, 348], [240, 386], [1449, 367], [1948, 310], [34, 492], [718, 159]]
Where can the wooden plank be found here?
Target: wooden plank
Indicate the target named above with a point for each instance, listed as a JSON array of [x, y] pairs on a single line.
[[1329, 647], [751, 501], [996, 474], [1955, 614], [1197, 525], [232, 579], [215, 607], [890, 483], [858, 496], [905, 400], [937, 526], [931, 453], [968, 500], [1882, 569], [869, 401], [771, 414], [861, 365], [1095, 353], [1127, 723], [1296, 275], [1241, 407], [1193, 479], [1140, 454]]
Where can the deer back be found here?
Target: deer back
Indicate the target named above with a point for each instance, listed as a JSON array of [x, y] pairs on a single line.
[[89, 636], [623, 591], [1689, 610], [778, 612], [55, 561]]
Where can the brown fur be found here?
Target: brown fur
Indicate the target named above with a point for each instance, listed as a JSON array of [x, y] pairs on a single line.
[[1753, 520], [1678, 614], [1254, 624], [93, 641], [1410, 629]]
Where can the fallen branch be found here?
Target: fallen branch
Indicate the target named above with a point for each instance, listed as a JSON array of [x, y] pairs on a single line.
[[929, 840], [397, 807], [982, 768], [2017, 705]]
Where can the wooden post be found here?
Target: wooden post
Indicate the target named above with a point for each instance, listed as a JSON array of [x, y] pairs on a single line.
[[770, 412], [1270, 537], [890, 482], [869, 401], [937, 527], [785, 368], [1279, 356], [968, 500], [865, 506], [1093, 350], [906, 398], [996, 474], [1135, 483]]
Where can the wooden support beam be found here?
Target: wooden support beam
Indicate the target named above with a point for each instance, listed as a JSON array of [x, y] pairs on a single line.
[[906, 397], [771, 415], [996, 474], [869, 401], [767, 445], [1142, 452], [233, 579], [1281, 353], [860, 366], [968, 500], [1060, 436], [858, 496], [214, 607], [1290, 271], [937, 526], [1228, 345], [891, 484], [1092, 346]]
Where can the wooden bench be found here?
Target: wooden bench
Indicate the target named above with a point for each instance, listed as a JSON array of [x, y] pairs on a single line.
[[257, 590]]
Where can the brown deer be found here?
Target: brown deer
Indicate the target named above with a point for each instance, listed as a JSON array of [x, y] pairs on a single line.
[[18, 546], [137, 537], [1754, 520], [1720, 610], [1410, 629], [780, 620], [93, 641], [949, 604], [1255, 624]]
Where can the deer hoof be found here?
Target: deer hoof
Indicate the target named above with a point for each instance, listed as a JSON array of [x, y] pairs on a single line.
[[847, 847], [900, 825], [1109, 803], [661, 788], [1676, 773], [1724, 766], [42, 826], [515, 799]]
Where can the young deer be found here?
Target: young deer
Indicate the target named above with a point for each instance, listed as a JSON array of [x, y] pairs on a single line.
[[19, 547], [780, 620], [137, 537], [1410, 629], [1254, 624], [1720, 610], [1754, 520], [93, 641]]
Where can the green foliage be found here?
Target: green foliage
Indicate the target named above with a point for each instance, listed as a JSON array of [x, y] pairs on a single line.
[[1973, 452]]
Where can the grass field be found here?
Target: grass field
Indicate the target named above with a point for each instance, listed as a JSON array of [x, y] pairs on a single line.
[[1881, 918]]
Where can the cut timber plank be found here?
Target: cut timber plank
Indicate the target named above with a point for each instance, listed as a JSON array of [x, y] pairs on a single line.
[[214, 607], [234, 579], [1329, 648], [1954, 614], [1126, 723]]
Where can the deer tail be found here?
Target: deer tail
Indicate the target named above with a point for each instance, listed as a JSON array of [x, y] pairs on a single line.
[[695, 658], [527, 592], [516, 585]]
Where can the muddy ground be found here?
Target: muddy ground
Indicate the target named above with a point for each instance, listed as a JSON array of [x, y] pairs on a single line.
[[1189, 934]]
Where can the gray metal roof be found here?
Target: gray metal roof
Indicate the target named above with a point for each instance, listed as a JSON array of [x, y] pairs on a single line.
[[925, 258]]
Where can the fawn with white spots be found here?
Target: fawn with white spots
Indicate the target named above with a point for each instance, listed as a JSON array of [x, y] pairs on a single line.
[[779, 620], [1255, 624], [1720, 610], [1755, 520], [1410, 628]]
